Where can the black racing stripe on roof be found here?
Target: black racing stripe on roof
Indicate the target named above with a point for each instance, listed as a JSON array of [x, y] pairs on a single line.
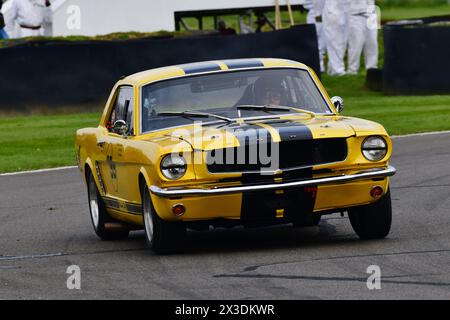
[[200, 67], [243, 63]]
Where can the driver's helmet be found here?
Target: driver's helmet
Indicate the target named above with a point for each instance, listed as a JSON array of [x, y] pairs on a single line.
[[269, 91]]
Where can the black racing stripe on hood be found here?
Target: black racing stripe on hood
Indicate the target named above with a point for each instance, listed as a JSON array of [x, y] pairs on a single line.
[[200, 67], [243, 63], [291, 130], [252, 154]]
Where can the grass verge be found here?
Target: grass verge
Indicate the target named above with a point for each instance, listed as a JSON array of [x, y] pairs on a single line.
[[399, 114], [39, 142]]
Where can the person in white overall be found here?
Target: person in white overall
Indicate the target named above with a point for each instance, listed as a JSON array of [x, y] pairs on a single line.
[[30, 15], [334, 17], [363, 35], [314, 16]]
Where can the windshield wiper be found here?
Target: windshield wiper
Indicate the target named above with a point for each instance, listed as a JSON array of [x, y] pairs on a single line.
[[274, 108], [190, 114]]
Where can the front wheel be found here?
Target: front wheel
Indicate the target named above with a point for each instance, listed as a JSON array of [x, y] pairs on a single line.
[[373, 221], [104, 225], [162, 236]]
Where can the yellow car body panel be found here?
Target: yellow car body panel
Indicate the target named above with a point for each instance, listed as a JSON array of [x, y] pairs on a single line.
[[120, 165]]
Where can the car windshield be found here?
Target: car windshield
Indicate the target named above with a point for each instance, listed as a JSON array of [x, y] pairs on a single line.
[[232, 95]]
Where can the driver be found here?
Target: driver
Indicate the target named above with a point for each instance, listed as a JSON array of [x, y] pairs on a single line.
[[269, 91]]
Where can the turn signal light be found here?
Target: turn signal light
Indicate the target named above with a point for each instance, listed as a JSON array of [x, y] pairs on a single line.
[[376, 192], [178, 210]]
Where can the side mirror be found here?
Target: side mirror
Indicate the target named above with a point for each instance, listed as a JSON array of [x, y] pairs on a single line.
[[120, 127], [338, 103]]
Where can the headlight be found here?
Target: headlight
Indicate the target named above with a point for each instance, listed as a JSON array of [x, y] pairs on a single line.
[[374, 148], [173, 166]]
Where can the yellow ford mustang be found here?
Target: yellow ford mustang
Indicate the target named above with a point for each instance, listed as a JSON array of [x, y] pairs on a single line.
[[247, 142]]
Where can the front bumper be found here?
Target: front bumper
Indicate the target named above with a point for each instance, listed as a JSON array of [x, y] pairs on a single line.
[[186, 192]]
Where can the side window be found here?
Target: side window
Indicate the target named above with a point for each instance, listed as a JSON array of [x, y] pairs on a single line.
[[124, 108]]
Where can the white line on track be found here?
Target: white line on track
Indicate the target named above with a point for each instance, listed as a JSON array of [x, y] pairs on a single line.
[[36, 171], [421, 134], [73, 167], [33, 256]]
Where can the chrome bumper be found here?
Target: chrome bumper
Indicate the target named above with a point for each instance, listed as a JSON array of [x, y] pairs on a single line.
[[183, 192]]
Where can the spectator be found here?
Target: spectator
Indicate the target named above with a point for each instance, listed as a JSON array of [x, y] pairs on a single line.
[[3, 34], [260, 23], [224, 30], [363, 35], [334, 29], [30, 15], [315, 8], [246, 29]]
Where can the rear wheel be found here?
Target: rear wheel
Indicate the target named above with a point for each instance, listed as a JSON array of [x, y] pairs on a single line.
[[162, 236], [104, 225], [373, 221]]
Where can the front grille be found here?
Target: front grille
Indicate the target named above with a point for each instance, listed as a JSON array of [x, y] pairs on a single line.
[[292, 154]]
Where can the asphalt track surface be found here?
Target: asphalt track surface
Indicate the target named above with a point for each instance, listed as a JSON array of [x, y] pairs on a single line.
[[45, 227]]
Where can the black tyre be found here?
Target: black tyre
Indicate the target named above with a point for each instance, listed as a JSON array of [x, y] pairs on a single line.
[[162, 236], [373, 221], [104, 225]]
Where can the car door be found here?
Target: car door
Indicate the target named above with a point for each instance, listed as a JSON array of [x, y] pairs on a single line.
[[113, 147], [122, 157]]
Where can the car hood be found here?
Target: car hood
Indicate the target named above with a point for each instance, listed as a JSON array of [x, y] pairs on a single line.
[[363, 127], [216, 136]]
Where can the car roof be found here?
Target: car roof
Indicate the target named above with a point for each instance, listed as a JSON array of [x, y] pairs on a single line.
[[175, 71]]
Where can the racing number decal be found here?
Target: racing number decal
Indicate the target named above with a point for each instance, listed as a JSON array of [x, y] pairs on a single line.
[[112, 170]]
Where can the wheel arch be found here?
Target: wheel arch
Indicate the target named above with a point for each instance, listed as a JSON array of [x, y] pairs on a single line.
[[89, 168], [143, 180]]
